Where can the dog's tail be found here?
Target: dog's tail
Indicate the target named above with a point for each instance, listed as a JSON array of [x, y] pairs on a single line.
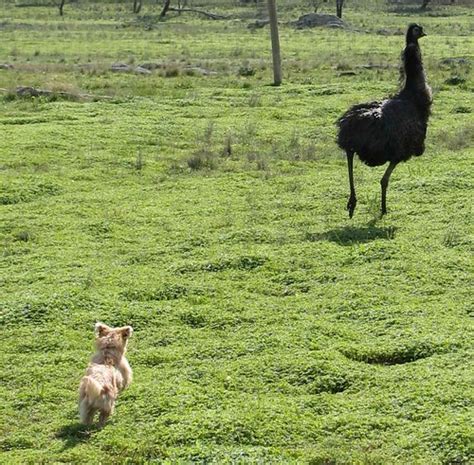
[[91, 388]]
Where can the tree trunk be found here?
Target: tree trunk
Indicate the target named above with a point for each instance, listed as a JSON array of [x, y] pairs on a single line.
[[424, 4], [137, 5], [166, 7], [339, 5], [181, 5], [61, 6], [272, 11]]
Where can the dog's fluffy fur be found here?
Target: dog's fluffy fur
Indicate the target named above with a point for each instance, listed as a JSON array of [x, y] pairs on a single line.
[[107, 374]]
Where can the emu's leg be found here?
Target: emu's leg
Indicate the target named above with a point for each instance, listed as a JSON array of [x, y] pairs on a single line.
[[384, 184], [351, 204]]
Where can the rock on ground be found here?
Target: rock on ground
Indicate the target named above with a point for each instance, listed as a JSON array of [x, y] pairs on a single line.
[[317, 20]]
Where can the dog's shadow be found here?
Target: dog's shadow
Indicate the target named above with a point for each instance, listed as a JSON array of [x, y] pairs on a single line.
[[74, 434]]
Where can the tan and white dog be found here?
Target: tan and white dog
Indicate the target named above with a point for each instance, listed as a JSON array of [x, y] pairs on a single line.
[[108, 373]]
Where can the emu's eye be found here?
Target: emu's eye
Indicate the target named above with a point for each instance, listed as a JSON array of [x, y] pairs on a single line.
[[416, 30]]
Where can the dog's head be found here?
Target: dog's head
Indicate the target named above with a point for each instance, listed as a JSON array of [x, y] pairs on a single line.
[[112, 338]]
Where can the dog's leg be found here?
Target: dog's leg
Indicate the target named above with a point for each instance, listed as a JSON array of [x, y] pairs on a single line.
[[104, 416], [126, 372], [86, 412]]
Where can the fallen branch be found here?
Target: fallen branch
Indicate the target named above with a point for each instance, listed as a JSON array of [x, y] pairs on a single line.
[[258, 24], [202, 12], [32, 92], [31, 5], [24, 91]]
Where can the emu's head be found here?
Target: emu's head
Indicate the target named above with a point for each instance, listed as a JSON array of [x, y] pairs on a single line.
[[414, 32]]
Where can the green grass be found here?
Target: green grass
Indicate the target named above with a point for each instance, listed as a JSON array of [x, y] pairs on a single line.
[[208, 211]]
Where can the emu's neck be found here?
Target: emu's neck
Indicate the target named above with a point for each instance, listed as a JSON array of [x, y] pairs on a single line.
[[414, 73], [415, 86]]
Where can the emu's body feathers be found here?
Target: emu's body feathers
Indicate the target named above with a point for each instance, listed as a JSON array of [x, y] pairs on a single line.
[[383, 131]]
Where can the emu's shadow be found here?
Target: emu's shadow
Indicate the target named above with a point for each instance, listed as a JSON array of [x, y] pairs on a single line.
[[352, 234], [75, 434]]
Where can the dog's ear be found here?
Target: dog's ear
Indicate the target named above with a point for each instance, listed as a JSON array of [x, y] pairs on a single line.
[[101, 329], [127, 331]]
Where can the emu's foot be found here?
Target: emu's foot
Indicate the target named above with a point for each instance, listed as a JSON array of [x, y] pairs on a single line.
[[351, 204]]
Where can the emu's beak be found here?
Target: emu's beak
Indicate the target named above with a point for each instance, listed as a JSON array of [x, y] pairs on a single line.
[[423, 34]]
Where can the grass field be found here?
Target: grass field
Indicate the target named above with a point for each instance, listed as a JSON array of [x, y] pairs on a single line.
[[206, 208]]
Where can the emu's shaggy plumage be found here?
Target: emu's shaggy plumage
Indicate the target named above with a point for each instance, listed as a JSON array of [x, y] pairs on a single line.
[[380, 132], [391, 130]]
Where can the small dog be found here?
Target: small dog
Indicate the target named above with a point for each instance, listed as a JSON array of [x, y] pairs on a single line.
[[108, 373]]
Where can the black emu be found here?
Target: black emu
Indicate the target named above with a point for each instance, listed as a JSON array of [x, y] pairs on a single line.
[[392, 130]]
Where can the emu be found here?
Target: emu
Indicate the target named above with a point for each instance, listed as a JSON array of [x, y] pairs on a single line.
[[391, 130]]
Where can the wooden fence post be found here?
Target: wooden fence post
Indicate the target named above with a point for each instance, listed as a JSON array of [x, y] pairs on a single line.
[[272, 12]]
